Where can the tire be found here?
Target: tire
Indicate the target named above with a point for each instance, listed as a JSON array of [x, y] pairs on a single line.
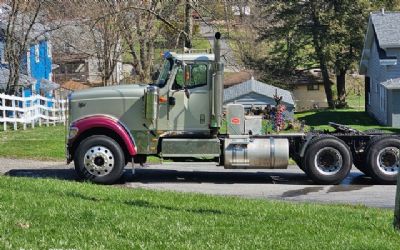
[[99, 159], [383, 159], [327, 160]]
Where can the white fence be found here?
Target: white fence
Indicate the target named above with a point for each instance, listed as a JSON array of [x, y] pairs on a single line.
[[36, 109]]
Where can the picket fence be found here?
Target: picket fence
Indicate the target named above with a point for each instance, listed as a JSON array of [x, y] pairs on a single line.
[[33, 110]]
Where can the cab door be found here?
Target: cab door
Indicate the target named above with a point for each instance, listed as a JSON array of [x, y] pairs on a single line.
[[189, 105]]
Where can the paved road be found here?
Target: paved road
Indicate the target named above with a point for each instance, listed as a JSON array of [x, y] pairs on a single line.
[[290, 185]]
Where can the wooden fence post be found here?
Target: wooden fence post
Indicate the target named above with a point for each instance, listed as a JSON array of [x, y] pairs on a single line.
[[39, 111], [47, 112], [3, 104], [32, 112], [14, 112], [53, 111], [25, 112]]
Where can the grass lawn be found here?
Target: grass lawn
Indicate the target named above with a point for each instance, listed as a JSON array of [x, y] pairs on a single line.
[[355, 118], [44, 214], [42, 143]]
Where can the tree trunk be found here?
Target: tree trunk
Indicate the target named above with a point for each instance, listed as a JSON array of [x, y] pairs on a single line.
[[341, 86], [319, 49], [188, 24]]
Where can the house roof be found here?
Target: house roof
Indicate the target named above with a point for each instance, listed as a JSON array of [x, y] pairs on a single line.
[[392, 84], [383, 30], [22, 23], [24, 80], [306, 77], [233, 78], [48, 85], [386, 26], [254, 86], [72, 85]]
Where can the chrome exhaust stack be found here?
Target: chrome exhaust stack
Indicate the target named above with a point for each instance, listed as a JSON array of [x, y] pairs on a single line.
[[218, 86]]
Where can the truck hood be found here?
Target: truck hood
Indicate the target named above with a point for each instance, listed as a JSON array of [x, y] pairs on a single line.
[[118, 91]]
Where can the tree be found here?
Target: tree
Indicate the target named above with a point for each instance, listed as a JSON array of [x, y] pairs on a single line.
[[188, 23], [21, 20], [347, 29]]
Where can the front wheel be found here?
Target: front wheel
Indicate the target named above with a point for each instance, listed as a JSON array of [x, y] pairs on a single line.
[[383, 160], [327, 160], [99, 159]]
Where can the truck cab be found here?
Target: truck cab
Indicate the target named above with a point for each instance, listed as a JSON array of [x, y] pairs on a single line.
[[134, 121], [185, 84]]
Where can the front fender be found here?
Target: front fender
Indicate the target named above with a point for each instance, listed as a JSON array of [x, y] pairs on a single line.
[[101, 121]]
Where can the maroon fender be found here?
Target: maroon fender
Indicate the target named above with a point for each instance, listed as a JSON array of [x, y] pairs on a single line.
[[101, 121]]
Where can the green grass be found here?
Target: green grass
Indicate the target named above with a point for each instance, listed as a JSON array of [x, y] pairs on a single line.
[[42, 143], [355, 118], [44, 213]]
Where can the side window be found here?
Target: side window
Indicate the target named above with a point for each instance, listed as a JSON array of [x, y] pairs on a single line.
[[198, 77], [179, 80]]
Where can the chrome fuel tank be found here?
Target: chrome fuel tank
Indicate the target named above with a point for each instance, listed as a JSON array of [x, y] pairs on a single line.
[[262, 153]]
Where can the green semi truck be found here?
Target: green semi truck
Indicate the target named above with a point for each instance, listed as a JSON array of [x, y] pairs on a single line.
[[181, 115]]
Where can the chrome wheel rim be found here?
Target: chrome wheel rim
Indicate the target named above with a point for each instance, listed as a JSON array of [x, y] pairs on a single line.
[[388, 160], [328, 161], [99, 161]]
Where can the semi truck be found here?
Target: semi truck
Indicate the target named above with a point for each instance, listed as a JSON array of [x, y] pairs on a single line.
[[181, 116]]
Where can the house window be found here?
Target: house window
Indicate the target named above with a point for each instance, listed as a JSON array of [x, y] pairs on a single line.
[[367, 90], [49, 48], [37, 53], [313, 87], [382, 98], [28, 62]]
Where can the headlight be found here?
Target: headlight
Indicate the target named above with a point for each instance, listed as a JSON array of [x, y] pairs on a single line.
[[73, 131]]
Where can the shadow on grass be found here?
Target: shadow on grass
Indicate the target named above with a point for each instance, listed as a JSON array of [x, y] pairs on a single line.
[[142, 204]]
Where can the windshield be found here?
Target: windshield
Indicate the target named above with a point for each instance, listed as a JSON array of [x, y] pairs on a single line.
[[165, 72]]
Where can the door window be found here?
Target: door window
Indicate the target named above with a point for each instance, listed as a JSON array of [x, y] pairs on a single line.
[[198, 76]]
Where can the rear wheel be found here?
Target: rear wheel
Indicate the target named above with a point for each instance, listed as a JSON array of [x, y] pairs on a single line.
[[327, 160], [383, 160], [99, 159]]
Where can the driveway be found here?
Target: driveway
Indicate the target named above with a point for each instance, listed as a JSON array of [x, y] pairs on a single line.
[[207, 178]]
